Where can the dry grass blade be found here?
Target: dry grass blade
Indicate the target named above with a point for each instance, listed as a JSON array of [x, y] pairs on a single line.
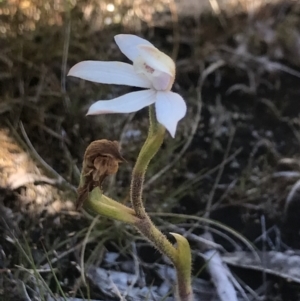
[[82, 268], [60, 180]]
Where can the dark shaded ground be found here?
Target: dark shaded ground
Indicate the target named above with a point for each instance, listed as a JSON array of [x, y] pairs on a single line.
[[241, 158]]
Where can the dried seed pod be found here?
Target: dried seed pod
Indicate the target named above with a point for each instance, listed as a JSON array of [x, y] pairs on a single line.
[[101, 159]]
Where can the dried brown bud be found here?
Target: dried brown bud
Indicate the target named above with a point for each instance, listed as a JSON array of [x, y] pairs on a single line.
[[101, 159]]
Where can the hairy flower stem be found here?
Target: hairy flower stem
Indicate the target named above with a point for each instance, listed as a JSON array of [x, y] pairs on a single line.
[[151, 146], [144, 224], [180, 256], [146, 227]]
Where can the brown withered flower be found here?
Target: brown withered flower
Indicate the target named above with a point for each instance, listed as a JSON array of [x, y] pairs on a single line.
[[101, 159]]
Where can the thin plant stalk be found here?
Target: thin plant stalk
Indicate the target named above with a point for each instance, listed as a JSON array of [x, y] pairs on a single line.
[[181, 255]]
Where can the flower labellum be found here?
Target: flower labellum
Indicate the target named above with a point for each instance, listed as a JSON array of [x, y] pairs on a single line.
[[151, 69]]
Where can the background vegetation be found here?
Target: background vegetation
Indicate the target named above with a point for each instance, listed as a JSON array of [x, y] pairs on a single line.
[[235, 158]]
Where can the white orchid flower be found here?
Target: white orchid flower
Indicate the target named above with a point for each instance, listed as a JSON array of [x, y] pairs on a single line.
[[151, 69]]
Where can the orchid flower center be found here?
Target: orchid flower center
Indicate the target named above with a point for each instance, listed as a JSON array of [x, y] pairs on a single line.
[[156, 66]]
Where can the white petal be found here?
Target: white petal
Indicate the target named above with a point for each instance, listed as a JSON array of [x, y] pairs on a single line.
[[117, 73], [170, 108], [128, 44], [127, 103], [157, 59]]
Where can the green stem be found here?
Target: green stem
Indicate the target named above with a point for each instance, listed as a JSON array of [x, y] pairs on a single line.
[[180, 256], [144, 224], [151, 146], [146, 227]]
